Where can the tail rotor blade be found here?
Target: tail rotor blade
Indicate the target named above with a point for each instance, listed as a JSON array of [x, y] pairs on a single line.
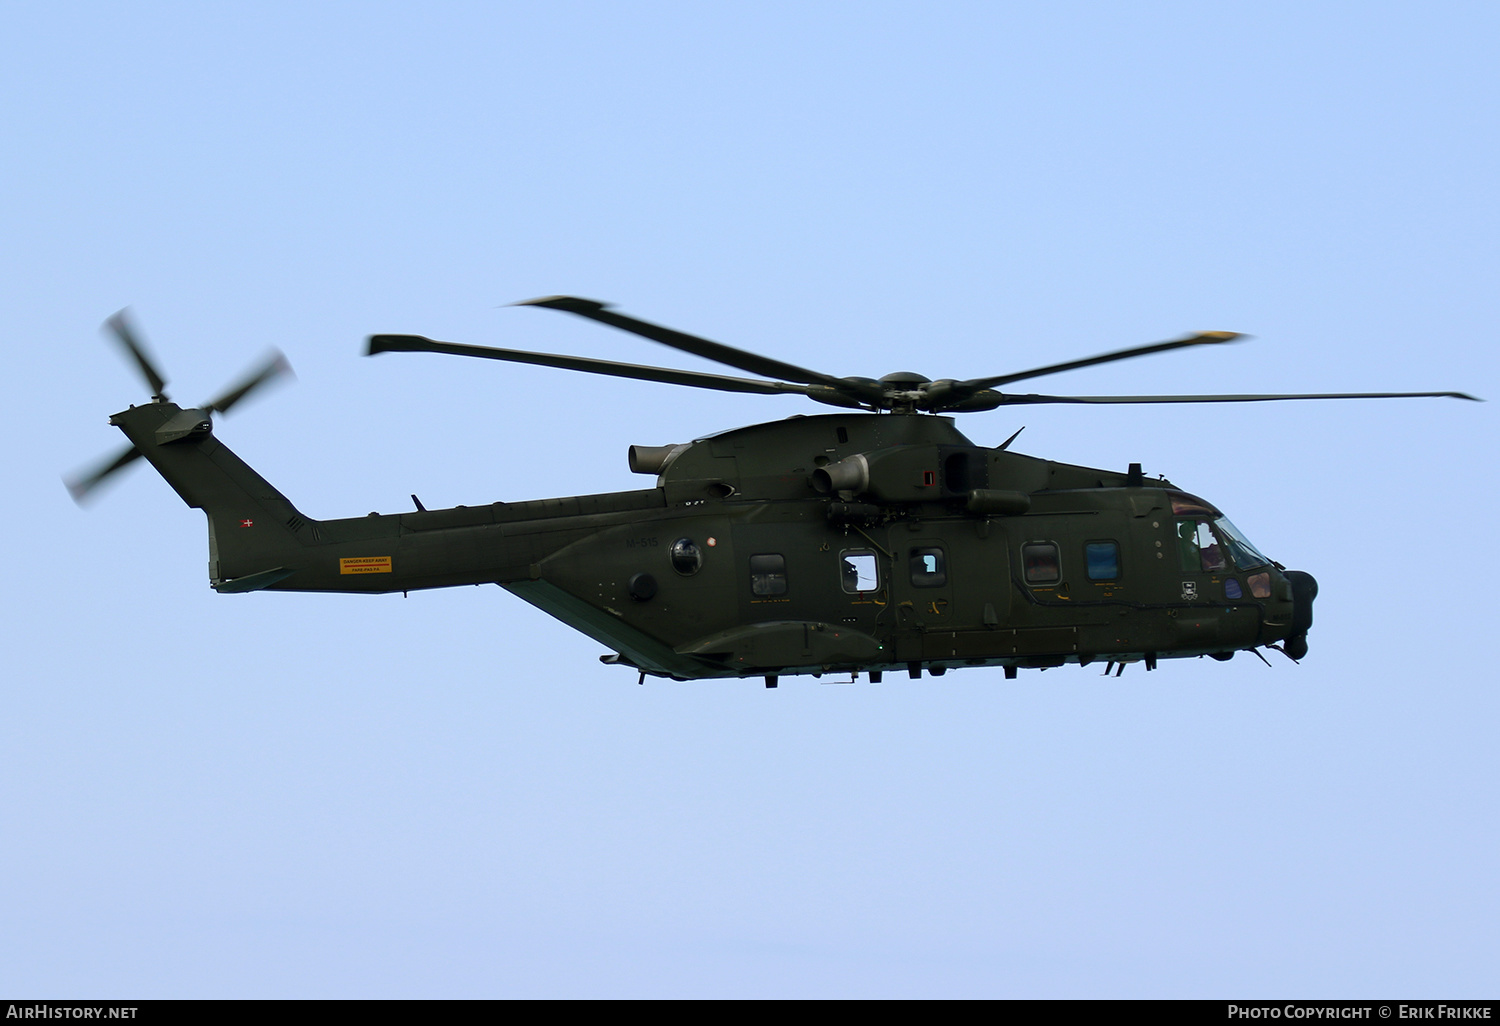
[[81, 487], [275, 366], [119, 326]]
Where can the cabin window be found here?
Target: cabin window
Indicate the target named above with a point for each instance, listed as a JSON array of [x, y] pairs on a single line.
[[1198, 547], [858, 572], [767, 575], [1232, 589], [1039, 559], [687, 558], [928, 567], [1260, 585], [1103, 560]]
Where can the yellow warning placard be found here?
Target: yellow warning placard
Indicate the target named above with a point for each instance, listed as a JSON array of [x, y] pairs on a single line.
[[365, 565]]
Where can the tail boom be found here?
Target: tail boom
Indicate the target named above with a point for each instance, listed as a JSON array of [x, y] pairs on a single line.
[[259, 540]]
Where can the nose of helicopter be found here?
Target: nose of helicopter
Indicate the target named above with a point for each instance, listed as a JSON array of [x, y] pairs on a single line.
[[1304, 590]]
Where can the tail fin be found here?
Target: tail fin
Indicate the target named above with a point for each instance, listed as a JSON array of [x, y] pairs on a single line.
[[255, 536]]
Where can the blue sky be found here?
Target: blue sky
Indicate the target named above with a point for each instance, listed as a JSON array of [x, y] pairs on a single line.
[[447, 795]]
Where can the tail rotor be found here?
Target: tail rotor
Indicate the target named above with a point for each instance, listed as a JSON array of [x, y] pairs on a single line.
[[82, 485]]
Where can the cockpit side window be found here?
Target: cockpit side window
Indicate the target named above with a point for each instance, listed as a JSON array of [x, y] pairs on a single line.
[[1212, 556], [1198, 547]]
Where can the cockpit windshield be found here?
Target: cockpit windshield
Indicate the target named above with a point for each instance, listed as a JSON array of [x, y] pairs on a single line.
[[1245, 555]]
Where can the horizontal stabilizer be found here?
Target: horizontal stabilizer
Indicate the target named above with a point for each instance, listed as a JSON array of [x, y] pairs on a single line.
[[252, 582]]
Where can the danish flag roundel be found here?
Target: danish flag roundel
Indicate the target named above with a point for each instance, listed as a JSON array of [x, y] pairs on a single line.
[[247, 523]]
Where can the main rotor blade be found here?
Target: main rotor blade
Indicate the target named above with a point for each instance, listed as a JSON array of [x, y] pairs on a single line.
[[119, 324], [666, 375], [716, 351], [1200, 339], [1014, 400], [80, 487], [275, 366]]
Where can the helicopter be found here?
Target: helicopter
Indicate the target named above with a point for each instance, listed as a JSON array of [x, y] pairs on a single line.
[[874, 539]]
